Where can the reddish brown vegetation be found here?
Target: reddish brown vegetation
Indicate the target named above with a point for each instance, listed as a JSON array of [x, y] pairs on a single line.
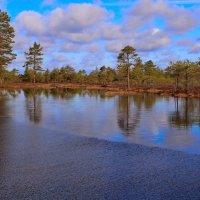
[[110, 90]]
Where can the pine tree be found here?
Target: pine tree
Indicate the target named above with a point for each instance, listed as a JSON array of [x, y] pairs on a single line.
[[126, 59], [34, 59], [6, 43]]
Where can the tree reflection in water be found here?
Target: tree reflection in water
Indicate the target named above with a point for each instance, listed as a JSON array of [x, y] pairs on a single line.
[[127, 118], [142, 118], [129, 111], [186, 113], [33, 105], [34, 100], [65, 94], [6, 112]]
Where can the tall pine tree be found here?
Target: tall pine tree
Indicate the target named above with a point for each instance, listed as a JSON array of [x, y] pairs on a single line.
[[127, 58], [34, 59], [6, 43]]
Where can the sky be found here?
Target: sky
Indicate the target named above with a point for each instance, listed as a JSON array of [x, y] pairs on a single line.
[[89, 34]]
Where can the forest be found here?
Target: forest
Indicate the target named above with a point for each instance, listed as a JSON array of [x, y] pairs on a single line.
[[131, 71]]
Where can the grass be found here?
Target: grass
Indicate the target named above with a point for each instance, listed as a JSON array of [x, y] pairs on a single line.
[[110, 90]]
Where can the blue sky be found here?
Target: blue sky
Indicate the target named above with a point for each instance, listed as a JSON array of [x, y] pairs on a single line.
[[89, 34]]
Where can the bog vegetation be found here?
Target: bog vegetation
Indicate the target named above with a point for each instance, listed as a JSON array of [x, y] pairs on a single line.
[[130, 70]]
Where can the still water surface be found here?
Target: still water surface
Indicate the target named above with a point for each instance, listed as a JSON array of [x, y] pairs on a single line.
[[147, 119]]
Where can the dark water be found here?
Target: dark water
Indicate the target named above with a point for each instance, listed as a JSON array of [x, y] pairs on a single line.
[[151, 120]]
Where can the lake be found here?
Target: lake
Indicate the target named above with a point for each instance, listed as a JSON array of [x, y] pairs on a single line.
[[147, 119]]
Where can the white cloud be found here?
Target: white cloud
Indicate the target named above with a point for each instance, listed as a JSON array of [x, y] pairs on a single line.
[[76, 17], [71, 47], [76, 23], [184, 42], [195, 48], [94, 48], [110, 31], [91, 30], [18, 62], [48, 2], [116, 46], [151, 40], [92, 60], [22, 42], [142, 12], [30, 21], [59, 61], [178, 19]]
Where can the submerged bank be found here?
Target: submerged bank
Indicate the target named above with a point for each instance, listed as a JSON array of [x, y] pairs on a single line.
[[70, 167], [110, 90]]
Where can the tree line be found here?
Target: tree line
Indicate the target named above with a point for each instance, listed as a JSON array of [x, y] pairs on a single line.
[[130, 71]]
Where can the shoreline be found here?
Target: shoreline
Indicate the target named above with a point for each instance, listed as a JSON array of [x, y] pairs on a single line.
[[110, 90]]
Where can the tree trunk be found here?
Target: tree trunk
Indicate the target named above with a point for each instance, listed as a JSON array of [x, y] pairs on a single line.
[[177, 84], [177, 104], [1, 76], [34, 78], [34, 68], [186, 82], [1, 80], [128, 78]]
